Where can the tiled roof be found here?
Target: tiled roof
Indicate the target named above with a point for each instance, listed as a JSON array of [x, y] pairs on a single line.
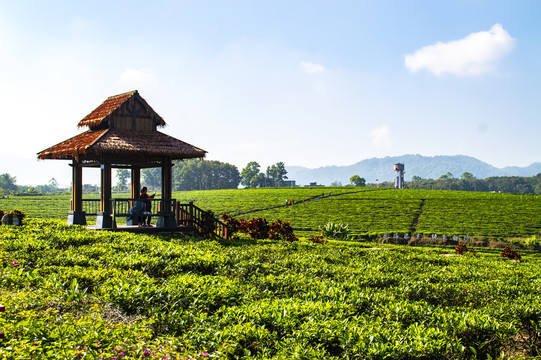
[[91, 145], [118, 144], [73, 147], [110, 105]]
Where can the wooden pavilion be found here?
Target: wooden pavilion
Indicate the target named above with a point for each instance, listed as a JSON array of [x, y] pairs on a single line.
[[122, 133]]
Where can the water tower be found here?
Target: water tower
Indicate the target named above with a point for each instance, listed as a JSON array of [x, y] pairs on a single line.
[[399, 179]]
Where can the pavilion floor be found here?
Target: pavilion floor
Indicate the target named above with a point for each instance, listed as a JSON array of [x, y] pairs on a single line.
[[149, 229]]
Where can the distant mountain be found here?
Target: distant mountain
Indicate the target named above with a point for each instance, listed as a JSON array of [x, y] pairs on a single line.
[[529, 170], [427, 167]]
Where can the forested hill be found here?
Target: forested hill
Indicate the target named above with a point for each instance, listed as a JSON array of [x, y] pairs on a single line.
[[426, 167]]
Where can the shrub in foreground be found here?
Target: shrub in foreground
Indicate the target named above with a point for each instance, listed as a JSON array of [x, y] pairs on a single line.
[[334, 230]]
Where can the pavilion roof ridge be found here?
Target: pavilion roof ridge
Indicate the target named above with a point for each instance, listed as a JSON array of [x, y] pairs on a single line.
[[112, 104]]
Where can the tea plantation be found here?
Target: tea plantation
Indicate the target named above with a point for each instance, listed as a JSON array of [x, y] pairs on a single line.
[[368, 211], [72, 293]]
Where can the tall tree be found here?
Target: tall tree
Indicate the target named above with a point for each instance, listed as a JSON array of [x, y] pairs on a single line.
[[7, 182], [53, 184], [122, 176], [249, 174], [447, 176], [357, 180], [226, 176], [277, 174], [205, 175], [152, 178], [186, 176], [260, 180]]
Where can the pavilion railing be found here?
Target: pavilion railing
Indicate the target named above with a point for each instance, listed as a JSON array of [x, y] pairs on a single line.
[[91, 206], [121, 207], [183, 214], [191, 215]]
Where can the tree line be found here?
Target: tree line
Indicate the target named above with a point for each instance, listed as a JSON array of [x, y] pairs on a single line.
[[189, 175], [8, 186], [468, 182], [215, 175], [274, 176], [193, 174], [209, 175]]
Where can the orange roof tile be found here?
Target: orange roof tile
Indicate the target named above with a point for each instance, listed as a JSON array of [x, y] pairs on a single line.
[[91, 145], [73, 147], [109, 106]]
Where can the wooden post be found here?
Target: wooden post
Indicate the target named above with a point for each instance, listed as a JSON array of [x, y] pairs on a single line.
[[77, 187], [165, 219], [106, 186], [104, 219], [135, 182], [191, 219], [76, 215], [167, 179]]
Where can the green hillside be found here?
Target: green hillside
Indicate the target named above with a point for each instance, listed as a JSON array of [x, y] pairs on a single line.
[[368, 211], [379, 211]]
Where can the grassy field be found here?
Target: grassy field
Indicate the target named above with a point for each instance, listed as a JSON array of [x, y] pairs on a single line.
[[72, 293], [368, 211]]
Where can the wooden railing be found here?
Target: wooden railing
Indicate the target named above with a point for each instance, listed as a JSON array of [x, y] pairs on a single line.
[[191, 215], [121, 206], [90, 206], [158, 207], [183, 214]]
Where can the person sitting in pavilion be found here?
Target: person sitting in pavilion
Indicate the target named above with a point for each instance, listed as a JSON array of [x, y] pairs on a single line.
[[144, 195]]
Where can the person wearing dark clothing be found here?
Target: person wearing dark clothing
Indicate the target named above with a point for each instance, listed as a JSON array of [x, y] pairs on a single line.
[[148, 203], [136, 212]]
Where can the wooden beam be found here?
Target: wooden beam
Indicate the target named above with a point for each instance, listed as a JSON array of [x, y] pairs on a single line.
[[135, 182], [167, 179], [77, 187], [130, 165], [106, 188], [123, 164], [148, 110], [133, 114]]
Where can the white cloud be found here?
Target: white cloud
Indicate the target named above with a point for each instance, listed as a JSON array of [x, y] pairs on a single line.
[[381, 137], [476, 54], [137, 77], [310, 68]]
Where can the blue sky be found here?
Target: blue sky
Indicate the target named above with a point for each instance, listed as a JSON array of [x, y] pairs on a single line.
[[309, 83]]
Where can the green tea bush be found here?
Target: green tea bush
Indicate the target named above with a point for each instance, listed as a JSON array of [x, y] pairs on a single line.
[[72, 293], [532, 241]]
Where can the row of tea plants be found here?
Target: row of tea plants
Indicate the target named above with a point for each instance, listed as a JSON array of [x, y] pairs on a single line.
[[73, 293], [369, 212]]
